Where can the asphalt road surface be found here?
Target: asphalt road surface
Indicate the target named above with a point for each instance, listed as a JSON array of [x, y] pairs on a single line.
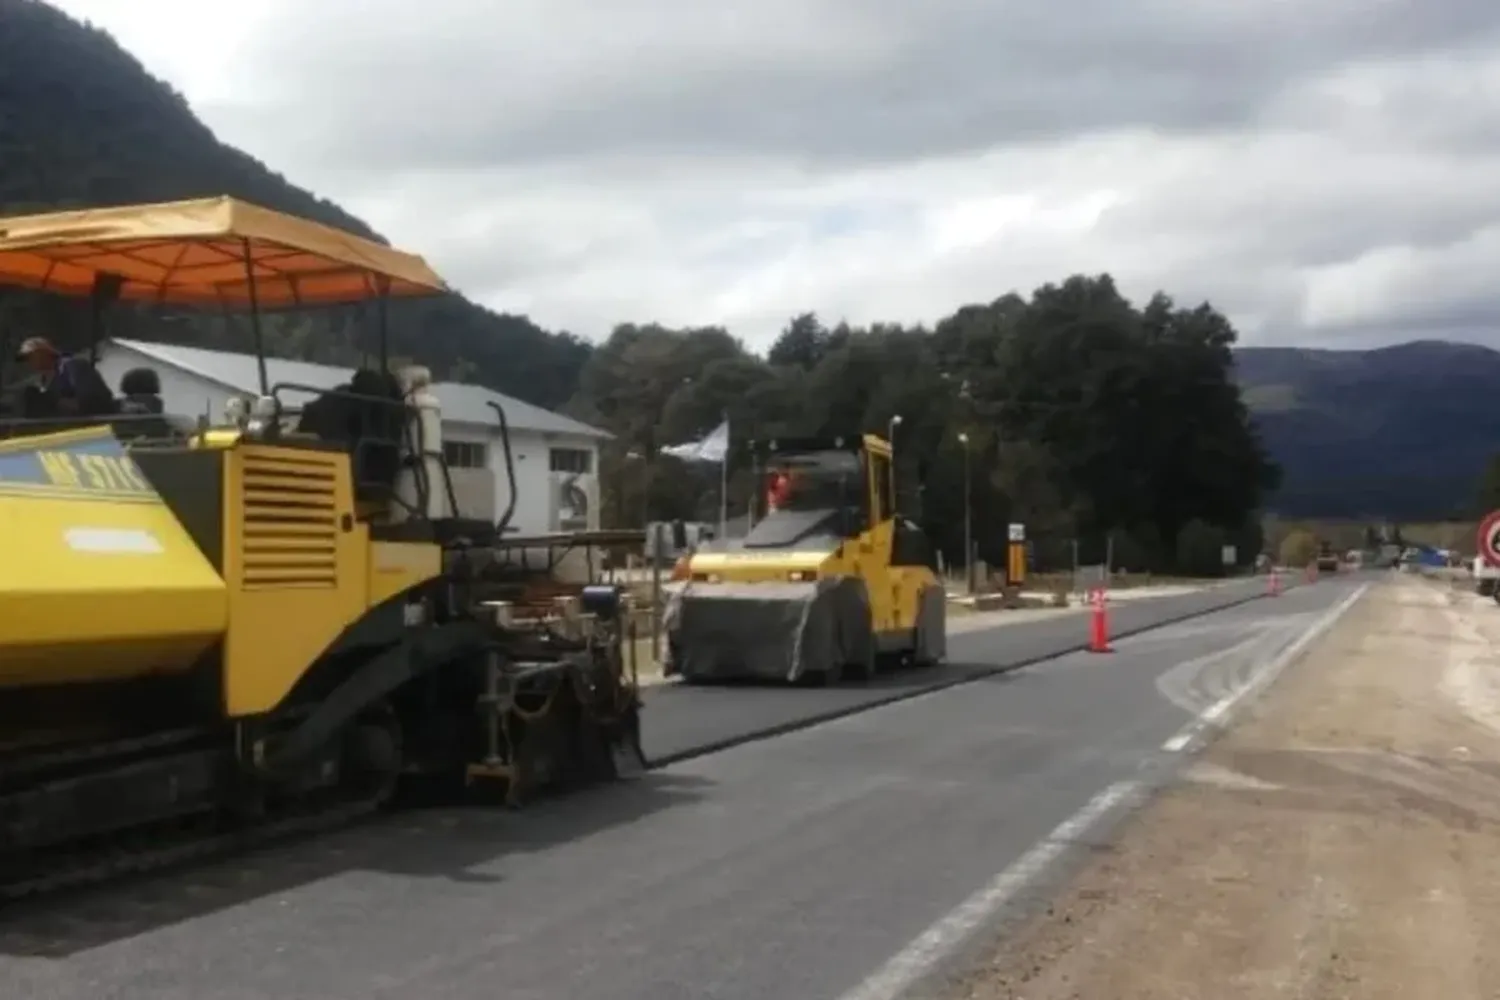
[[824, 863], [682, 721]]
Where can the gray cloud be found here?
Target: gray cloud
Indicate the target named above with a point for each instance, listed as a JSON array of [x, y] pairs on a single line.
[[832, 82], [1324, 170]]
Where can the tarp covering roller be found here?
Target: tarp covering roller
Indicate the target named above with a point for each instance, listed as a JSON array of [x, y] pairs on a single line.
[[774, 631]]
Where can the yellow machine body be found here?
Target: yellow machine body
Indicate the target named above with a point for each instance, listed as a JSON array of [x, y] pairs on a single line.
[[103, 581], [99, 581], [298, 566], [741, 588], [266, 620]]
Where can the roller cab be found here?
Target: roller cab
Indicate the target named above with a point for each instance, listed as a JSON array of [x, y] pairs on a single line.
[[826, 585]]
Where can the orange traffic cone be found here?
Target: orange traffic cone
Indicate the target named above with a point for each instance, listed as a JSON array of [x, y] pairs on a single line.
[[1274, 584], [1312, 572], [1099, 623]]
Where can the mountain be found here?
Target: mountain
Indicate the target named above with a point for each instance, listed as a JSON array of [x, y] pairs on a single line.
[[82, 123], [1402, 431]]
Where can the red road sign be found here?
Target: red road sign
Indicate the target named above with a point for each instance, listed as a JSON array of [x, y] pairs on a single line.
[[1489, 538]]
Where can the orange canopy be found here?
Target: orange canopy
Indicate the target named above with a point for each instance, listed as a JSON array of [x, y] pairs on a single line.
[[195, 253]]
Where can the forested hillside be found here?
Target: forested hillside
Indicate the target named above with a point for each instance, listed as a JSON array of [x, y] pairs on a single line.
[[1399, 432], [83, 123], [1085, 415]]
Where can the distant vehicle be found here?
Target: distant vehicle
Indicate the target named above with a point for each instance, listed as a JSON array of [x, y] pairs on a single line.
[[1328, 559]]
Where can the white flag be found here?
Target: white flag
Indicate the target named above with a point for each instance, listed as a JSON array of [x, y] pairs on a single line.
[[714, 447]]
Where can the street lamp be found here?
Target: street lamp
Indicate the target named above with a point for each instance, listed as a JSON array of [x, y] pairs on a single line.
[[963, 439]]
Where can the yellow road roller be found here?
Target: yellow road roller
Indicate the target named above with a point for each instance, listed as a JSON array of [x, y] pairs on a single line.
[[207, 630], [828, 585]]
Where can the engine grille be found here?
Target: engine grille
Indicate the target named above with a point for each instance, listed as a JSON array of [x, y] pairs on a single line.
[[290, 533]]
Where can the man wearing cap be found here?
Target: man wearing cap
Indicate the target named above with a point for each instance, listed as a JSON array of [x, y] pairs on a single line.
[[66, 385]]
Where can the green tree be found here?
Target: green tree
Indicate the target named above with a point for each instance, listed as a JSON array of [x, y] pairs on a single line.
[[802, 344], [1200, 548]]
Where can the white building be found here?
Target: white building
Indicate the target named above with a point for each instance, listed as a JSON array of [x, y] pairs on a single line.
[[556, 457]]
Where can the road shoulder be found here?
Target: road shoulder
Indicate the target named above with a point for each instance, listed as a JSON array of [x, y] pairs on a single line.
[[1339, 841]]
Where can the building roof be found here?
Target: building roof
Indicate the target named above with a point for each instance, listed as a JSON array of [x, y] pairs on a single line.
[[470, 404], [460, 402]]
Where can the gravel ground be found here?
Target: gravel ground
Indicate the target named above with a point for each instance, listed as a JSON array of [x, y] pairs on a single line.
[[1340, 841]]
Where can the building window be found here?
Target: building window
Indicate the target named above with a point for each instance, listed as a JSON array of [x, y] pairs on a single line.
[[572, 460], [463, 454]]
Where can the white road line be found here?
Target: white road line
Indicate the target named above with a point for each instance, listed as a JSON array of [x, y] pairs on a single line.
[[942, 939], [1262, 678], [1182, 684], [1177, 742], [1221, 706]]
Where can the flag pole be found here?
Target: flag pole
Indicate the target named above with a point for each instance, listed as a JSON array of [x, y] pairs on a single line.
[[724, 481]]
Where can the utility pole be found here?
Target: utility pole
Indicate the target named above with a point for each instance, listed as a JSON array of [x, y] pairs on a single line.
[[963, 439]]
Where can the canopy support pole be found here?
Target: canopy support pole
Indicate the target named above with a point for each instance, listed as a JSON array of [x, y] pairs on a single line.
[[255, 331], [382, 320], [104, 293]]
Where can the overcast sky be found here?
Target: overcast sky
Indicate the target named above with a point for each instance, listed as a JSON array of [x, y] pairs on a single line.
[[1326, 171]]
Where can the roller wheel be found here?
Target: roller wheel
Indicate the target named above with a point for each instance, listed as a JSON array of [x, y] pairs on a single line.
[[922, 654]]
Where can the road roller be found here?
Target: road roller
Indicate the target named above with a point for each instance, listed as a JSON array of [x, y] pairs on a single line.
[[829, 585], [210, 628]]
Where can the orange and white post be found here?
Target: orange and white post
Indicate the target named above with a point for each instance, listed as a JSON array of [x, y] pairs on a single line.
[[1099, 621]]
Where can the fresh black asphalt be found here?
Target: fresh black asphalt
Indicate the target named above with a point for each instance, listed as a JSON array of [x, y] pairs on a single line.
[[780, 869], [682, 721]]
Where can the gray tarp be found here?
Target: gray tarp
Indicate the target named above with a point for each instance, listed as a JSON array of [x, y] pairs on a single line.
[[774, 631]]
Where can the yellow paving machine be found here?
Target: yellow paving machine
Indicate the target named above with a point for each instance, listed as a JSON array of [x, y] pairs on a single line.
[[273, 621], [829, 584]]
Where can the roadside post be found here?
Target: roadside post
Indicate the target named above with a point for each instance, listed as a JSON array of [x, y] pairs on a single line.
[[1099, 621], [1015, 555]]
